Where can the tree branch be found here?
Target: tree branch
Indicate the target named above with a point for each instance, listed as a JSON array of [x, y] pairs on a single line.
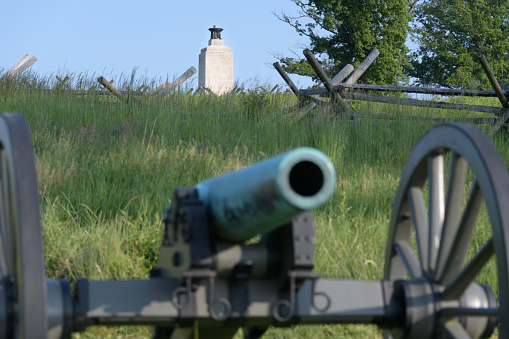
[[412, 6], [292, 21]]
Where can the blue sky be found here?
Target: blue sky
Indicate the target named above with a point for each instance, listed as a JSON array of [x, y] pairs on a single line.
[[161, 38]]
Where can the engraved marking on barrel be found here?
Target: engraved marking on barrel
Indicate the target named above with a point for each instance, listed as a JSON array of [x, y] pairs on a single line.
[[263, 202]]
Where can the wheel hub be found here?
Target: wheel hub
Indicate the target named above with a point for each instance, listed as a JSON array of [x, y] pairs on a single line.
[[419, 298], [426, 311]]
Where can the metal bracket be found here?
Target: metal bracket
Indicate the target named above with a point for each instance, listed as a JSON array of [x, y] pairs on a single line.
[[239, 291], [184, 297], [290, 304]]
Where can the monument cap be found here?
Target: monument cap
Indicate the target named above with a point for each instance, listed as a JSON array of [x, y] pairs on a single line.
[[215, 32]]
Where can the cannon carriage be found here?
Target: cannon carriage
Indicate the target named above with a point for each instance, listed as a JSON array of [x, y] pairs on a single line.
[[209, 281]]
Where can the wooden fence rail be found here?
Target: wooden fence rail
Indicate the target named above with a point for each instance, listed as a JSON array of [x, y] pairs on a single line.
[[403, 89], [424, 103]]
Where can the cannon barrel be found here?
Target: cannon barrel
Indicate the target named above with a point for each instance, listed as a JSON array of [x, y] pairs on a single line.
[[268, 194]]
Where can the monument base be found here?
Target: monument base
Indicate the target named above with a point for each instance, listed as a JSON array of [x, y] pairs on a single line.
[[215, 70]]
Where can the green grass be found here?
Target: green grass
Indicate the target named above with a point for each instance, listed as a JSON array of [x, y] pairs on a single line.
[[107, 171]]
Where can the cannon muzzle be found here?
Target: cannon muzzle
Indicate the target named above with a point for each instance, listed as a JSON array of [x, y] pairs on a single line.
[[268, 194]]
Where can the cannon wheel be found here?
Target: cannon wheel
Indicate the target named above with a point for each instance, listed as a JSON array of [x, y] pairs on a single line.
[[22, 284], [441, 229]]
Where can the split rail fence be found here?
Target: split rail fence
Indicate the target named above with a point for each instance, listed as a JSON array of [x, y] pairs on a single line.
[[338, 91], [107, 87], [142, 91]]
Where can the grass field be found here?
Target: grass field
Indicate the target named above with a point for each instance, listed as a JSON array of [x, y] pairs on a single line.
[[107, 171]]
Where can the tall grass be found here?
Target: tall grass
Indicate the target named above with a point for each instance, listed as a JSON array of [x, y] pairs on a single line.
[[107, 170]]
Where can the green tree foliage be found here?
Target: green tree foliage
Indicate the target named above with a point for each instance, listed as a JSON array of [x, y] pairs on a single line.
[[450, 34], [346, 31]]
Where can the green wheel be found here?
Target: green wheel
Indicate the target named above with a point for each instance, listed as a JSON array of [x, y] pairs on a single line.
[[22, 279], [454, 186]]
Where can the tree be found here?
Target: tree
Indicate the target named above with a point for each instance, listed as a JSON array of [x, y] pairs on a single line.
[[450, 34], [346, 31]]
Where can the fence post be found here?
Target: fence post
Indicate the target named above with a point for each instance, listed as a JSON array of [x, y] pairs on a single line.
[[493, 80], [111, 88], [15, 67], [23, 68], [304, 108], [274, 89], [206, 89], [19, 67], [498, 91], [287, 79], [104, 88], [187, 74], [141, 89], [342, 75], [361, 69], [335, 81], [63, 82], [160, 88], [336, 97]]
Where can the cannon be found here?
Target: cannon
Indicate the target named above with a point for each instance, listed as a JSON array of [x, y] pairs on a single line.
[[213, 278]]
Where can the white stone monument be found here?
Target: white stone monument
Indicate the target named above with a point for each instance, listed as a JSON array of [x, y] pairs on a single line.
[[215, 70]]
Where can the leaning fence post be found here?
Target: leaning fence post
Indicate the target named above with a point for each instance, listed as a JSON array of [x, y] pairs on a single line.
[[500, 121], [63, 82], [274, 89], [305, 109], [187, 74], [287, 79], [335, 81], [23, 68], [160, 88], [361, 69], [111, 88], [498, 91], [104, 89], [493, 80], [16, 66], [19, 67], [342, 75], [141, 89], [325, 79], [206, 89]]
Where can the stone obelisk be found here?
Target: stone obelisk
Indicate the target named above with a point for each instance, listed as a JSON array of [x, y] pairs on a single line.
[[215, 70]]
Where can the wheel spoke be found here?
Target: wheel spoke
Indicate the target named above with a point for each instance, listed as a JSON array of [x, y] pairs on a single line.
[[420, 219], [460, 283], [453, 329], [436, 204], [456, 258], [409, 260], [448, 313], [455, 193]]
